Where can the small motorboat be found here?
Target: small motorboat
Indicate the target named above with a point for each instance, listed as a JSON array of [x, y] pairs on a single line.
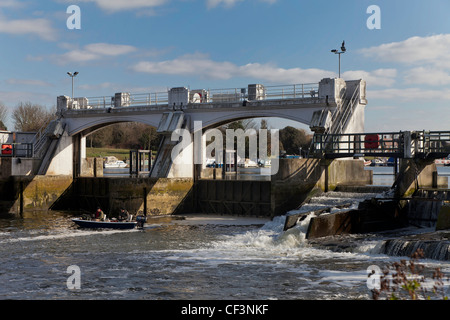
[[113, 162], [105, 224]]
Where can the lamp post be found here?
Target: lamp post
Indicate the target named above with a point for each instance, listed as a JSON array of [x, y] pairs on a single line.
[[343, 50], [72, 75]]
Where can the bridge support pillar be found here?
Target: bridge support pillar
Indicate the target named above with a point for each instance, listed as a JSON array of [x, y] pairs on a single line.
[[415, 174]]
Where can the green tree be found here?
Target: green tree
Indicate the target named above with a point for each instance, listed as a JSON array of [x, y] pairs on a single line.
[[292, 140]]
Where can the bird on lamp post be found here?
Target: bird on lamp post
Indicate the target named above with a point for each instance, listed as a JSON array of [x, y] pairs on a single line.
[[343, 50]]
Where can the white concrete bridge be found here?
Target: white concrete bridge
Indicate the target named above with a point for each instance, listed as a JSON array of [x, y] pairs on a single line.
[[332, 105]]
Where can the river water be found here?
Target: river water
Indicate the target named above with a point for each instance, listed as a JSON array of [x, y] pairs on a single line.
[[194, 257]]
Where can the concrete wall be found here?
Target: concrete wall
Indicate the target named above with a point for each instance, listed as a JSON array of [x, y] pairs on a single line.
[[298, 179], [24, 166], [345, 173], [17, 167], [62, 161], [31, 192], [5, 167], [417, 173], [92, 167], [156, 196]]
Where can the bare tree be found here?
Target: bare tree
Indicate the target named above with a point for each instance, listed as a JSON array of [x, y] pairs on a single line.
[[3, 115], [30, 117]]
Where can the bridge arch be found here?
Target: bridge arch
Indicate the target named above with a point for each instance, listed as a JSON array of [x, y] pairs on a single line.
[[86, 127], [215, 122]]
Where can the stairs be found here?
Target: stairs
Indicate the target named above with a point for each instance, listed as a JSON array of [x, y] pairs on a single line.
[[45, 143], [326, 124], [163, 162]]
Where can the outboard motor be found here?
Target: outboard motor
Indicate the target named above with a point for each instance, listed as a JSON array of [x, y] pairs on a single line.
[[140, 220]]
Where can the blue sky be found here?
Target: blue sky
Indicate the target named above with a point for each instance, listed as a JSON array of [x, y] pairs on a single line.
[[144, 46]]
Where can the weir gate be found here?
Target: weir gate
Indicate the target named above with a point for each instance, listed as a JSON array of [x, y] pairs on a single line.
[[333, 108]]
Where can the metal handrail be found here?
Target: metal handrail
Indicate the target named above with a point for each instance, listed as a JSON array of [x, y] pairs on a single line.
[[104, 102], [39, 140], [20, 150], [423, 144], [359, 143], [433, 142], [293, 91]]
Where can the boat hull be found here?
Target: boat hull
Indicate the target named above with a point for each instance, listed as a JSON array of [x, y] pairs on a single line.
[[104, 224]]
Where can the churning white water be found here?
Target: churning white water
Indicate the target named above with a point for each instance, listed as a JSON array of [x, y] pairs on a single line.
[[200, 257]]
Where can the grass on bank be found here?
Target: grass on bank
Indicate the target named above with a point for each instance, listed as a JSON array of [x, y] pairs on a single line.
[[121, 154]]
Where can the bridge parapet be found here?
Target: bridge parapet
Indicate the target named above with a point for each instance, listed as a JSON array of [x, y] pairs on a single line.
[[183, 96]]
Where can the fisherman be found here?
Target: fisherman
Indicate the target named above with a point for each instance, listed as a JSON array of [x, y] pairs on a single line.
[[124, 215], [99, 215]]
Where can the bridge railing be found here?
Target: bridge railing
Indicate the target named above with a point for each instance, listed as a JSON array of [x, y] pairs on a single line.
[[17, 150], [432, 143], [294, 91], [225, 95], [252, 92], [261, 92], [388, 144], [407, 144], [90, 103], [127, 100], [155, 98]]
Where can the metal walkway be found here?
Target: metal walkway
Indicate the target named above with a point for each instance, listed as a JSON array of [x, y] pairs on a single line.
[[406, 144]]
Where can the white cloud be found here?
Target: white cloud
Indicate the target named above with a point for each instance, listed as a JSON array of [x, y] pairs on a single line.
[[427, 57], [225, 3], [94, 51], [196, 64], [376, 78], [410, 94], [120, 5], [10, 4], [202, 66], [230, 3], [38, 27], [280, 75], [432, 49], [109, 49], [428, 76], [28, 82]]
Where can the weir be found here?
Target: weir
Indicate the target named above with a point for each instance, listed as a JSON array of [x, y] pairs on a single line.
[[179, 182]]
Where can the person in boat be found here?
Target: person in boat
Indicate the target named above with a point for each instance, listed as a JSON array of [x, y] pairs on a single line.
[[123, 215], [99, 215]]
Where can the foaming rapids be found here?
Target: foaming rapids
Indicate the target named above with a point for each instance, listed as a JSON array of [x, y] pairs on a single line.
[[271, 236]]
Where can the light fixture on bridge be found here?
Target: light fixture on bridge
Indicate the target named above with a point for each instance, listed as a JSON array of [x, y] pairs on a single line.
[[72, 75], [343, 50]]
